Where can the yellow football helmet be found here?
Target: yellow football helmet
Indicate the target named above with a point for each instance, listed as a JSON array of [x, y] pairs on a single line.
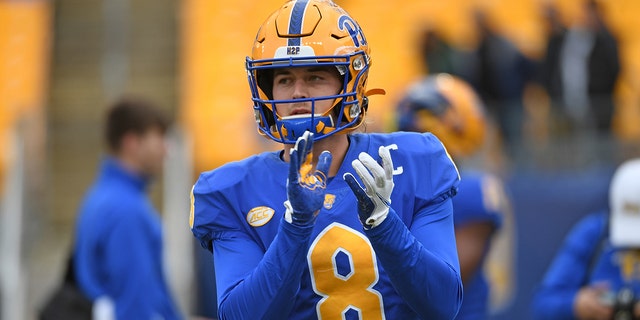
[[304, 33], [448, 107]]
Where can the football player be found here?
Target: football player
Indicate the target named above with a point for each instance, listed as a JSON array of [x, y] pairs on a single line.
[[366, 229], [449, 108]]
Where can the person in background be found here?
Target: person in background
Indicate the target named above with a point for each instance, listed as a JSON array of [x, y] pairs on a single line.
[[499, 72], [596, 273], [448, 107], [440, 56], [118, 256], [295, 234], [580, 70]]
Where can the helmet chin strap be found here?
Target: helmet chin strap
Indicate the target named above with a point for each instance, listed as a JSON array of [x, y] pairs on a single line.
[[293, 127]]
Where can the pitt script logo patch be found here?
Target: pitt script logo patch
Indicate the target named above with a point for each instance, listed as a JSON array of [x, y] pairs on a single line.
[[259, 216], [329, 199]]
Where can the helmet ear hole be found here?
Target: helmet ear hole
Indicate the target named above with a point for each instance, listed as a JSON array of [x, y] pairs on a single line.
[[265, 82], [365, 103]]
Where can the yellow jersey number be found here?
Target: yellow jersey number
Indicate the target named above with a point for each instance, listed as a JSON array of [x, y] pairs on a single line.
[[342, 290]]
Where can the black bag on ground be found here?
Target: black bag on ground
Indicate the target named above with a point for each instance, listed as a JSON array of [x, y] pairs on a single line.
[[67, 301]]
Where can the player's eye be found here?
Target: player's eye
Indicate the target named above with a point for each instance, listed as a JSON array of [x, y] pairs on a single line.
[[282, 80]]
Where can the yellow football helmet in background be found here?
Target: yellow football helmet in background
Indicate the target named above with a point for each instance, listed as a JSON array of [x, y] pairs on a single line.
[[448, 107]]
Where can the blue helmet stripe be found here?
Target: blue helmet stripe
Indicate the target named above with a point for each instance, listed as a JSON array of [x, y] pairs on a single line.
[[295, 22]]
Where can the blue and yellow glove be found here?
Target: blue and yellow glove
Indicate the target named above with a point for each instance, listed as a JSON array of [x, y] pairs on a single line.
[[305, 187], [374, 199]]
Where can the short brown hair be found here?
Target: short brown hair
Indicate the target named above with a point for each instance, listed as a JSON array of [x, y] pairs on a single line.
[[132, 114]]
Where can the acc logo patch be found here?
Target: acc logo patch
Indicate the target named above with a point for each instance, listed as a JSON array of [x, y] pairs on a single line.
[[259, 216]]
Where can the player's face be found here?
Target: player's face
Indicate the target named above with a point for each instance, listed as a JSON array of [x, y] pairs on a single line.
[[305, 82]]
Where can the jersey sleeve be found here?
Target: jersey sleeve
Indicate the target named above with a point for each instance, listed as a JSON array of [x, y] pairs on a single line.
[[214, 205], [427, 171], [207, 207], [252, 282], [568, 270], [427, 281], [420, 255]]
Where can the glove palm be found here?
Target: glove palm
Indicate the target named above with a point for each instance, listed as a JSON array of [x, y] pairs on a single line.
[[306, 187]]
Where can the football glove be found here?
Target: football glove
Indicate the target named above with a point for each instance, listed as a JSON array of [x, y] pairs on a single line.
[[305, 187], [374, 199]]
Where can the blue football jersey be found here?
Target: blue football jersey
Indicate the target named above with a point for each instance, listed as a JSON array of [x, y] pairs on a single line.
[[405, 268], [480, 198]]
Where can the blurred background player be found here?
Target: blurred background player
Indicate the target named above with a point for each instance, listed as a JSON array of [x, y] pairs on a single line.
[[119, 251], [596, 273], [336, 249], [448, 107]]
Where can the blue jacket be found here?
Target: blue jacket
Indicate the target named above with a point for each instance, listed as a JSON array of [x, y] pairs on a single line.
[[585, 258], [118, 247]]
